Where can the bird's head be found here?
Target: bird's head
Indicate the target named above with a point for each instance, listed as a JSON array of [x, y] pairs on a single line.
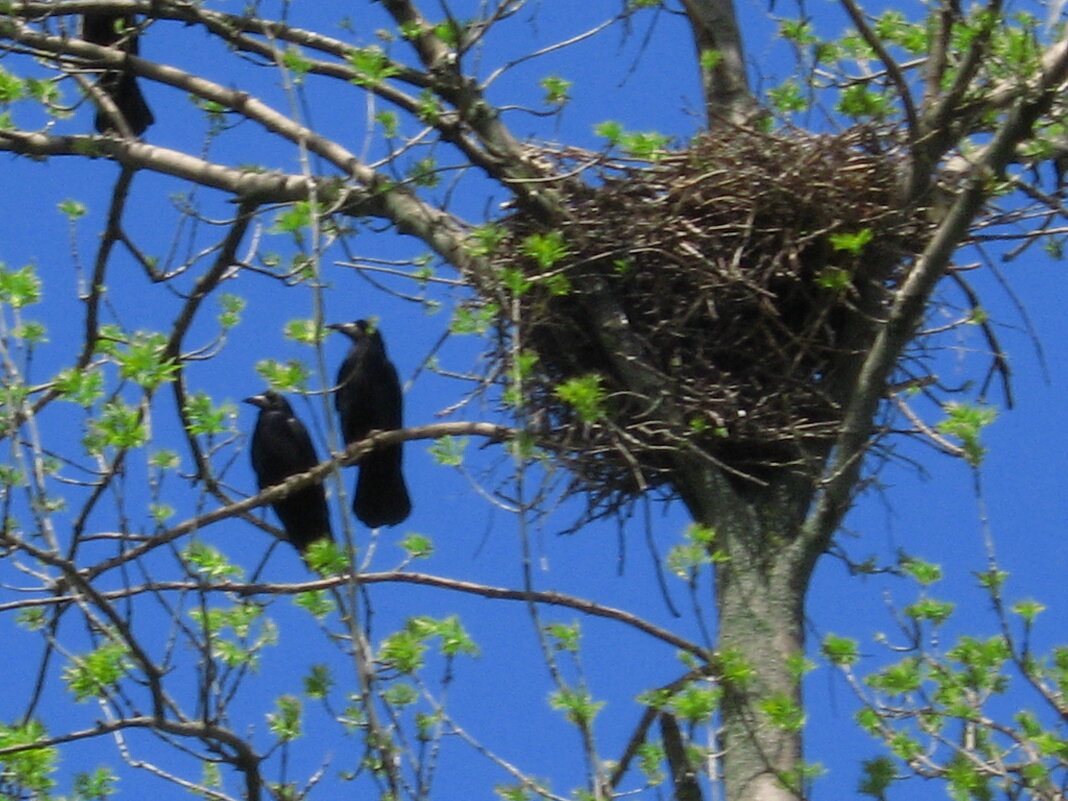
[[354, 331], [270, 401]]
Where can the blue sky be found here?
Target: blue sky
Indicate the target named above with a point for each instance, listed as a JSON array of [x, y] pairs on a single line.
[[646, 82]]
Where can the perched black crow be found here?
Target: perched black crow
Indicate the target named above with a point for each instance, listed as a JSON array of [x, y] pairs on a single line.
[[282, 448], [120, 85], [368, 398]]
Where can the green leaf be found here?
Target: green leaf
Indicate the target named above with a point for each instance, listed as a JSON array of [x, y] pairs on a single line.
[[31, 332], [449, 450], [734, 668], [893, 28], [449, 31], [403, 651], [1028, 609], [371, 66], [904, 677], [966, 422], [687, 557], [83, 387], [585, 394], [317, 603], [95, 786], [297, 63], [905, 747], [243, 620], [868, 720], [834, 278], [318, 682], [290, 376], [73, 209], [231, 307], [513, 792], [783, 711], [859, 101], [610, 130], [454, 638], [97, 671], [558, 284], [710, 59], [798, 665], [852, 242], [696, 702], [650, 757], [389, 122], [483, 240], [983, 660], [296, 217], [161, 512], [556, 90], [576, 704], [965, 781], [21, 287], [306, 332], [565, 637], [644, 145], [926, 573], [428, 109], [32, 619], [12, 87], [424, 172], [473, 320], [798, 31], [119, 426], [993, 579], [204, 418], [417, 546], [937, 612], [326, 558], [546, 249], [788, 97], [285, 721], [142, 360], [31, 769], [426, 724], [401, 694]]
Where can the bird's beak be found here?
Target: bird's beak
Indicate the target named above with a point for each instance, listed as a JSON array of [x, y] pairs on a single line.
[[257, 400], [349, 329]]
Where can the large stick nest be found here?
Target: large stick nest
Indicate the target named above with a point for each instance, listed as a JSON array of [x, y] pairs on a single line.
[[716, 295]]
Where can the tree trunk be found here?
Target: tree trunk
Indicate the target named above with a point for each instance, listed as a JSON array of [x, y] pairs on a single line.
[[760, 618], [761, 576]]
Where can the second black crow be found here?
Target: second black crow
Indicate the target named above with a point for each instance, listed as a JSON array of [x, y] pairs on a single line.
[[368, 398], [120, 85]]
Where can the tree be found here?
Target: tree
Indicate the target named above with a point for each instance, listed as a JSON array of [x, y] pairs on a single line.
[[735, 322]]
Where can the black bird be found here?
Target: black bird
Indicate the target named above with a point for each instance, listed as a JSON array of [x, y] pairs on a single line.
[[120, 85], [368, 398], [282, 448]]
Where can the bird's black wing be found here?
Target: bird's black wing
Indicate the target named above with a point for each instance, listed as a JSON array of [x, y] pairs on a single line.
[[369, 394]]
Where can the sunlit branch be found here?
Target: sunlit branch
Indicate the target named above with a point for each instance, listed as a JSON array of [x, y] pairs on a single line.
[[351, 454], [545, 597]]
